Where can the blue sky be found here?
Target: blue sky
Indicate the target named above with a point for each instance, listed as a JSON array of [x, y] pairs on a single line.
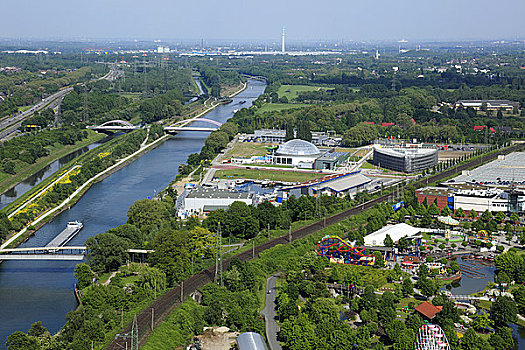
[[305, 20]]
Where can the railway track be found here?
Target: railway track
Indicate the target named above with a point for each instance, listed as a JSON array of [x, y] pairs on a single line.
[[167, 302]]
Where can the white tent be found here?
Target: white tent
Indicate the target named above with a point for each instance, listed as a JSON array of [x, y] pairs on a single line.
[[396, 232]]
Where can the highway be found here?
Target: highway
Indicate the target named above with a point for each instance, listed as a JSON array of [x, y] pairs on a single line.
[[9, 125]]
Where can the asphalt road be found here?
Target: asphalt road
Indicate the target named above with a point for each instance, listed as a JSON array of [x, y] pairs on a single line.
[[11, 124], [269, 313]]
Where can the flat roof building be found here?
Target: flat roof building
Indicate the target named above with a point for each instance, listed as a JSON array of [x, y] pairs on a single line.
[[406, 160], [505, 171], [201, 200], [490, 104]]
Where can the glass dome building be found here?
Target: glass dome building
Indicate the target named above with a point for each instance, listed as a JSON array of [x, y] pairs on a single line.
[[297, 153]]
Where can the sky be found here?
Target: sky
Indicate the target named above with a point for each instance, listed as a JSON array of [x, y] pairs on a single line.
[[305, 20]]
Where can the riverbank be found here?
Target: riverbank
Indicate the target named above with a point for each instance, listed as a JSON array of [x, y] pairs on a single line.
[[41, 163], [30, 229]]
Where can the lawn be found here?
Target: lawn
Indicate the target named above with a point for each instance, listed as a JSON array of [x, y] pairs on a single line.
[[274, 175], [247, 149], [271, 107], [292, 91]]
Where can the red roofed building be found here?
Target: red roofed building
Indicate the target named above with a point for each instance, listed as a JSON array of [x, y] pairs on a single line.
[[368, 122], [428, 311], [492, 130], [388, 124], [479, 127]]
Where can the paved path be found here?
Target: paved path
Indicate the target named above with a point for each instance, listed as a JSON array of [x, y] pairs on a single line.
[[269, 313]]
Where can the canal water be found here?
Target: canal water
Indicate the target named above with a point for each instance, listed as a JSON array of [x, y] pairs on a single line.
[[39, 176], [33, 291]]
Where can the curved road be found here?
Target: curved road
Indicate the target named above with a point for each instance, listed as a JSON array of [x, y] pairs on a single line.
[[269, 313]]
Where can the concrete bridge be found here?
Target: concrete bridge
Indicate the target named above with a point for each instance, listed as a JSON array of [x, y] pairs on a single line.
[[182, 125], [72, 253], [114, 125]]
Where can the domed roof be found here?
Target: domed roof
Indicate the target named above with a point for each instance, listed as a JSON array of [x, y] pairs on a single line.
[[298, 147]]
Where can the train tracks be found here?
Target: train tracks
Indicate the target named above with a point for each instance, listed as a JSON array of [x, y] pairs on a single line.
[[172, 298]]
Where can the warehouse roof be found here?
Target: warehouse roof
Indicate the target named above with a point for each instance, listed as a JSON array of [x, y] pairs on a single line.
[[343, 183], [217, 194]]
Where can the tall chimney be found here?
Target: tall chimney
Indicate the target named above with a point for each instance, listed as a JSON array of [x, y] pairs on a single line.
[[282, 43]]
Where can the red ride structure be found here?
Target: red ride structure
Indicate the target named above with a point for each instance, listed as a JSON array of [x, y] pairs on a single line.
[[339, 251]]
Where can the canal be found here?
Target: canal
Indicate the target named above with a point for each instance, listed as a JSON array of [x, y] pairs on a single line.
[[33, 180], [33, 291]]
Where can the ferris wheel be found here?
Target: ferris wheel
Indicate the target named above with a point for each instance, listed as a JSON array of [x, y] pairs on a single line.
[[431, 337]]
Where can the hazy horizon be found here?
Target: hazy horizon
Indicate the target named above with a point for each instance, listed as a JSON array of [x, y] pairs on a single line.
[[235, 20]]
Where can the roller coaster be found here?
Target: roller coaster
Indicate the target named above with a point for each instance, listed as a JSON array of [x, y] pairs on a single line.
[[431, 337], [339, 251]]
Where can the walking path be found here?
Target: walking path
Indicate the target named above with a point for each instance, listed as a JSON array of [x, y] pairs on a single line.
[[41, 192], [79, 190], [269, 313]]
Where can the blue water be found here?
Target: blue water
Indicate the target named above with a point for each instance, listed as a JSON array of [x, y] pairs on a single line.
[[33, 291]]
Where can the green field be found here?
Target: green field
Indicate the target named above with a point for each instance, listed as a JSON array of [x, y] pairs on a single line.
[[271, 107], [292, 91], [273, 175], [247, 149]]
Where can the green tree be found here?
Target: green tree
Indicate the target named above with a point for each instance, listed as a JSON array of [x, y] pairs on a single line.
[[473, 214], [21, 341], [107, 251], [407, 288], [84, 275], [147, 215], [503, 311], [388, 242], [459, 213], [486, 216], [298, 333], [433, 209]]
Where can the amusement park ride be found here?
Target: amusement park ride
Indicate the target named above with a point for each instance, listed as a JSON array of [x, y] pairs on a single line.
[[431, 337], [339, 251]]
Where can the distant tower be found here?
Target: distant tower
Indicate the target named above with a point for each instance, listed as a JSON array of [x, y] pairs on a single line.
[[282, 42], [377, 54]]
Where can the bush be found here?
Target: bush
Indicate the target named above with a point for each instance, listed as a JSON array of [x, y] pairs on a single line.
[[500, 248]]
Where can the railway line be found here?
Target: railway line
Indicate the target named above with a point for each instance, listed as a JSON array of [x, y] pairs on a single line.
[[173, 297]]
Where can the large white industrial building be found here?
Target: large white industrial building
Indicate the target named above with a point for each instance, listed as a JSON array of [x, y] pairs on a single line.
[[204, 200]]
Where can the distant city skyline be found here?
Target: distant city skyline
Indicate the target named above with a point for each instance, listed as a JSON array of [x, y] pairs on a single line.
[[237, 20]]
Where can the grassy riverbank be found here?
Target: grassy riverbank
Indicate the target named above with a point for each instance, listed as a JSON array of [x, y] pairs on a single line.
[[57, 151]]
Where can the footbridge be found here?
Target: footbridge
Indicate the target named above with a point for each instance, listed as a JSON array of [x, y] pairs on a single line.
[[183, 125], [114, 125], [72, 253]]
